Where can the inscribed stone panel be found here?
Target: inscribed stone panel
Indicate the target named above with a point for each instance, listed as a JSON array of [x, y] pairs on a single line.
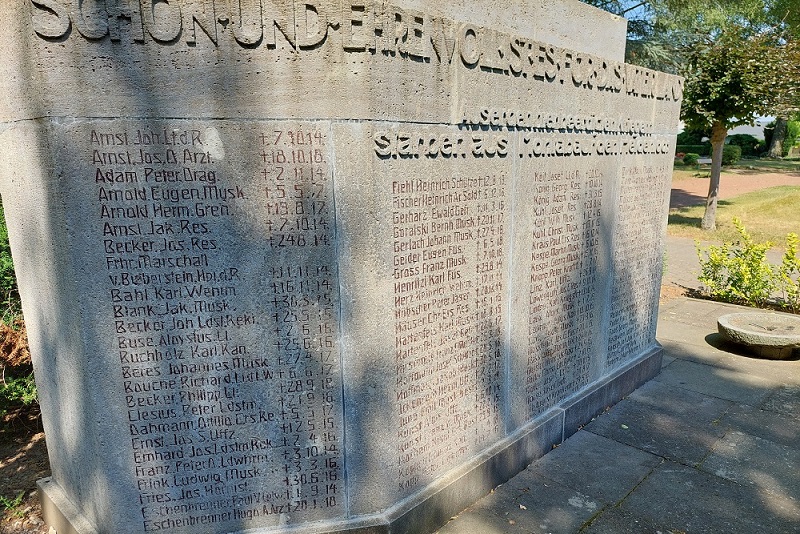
[[206, 257], [427, 361]]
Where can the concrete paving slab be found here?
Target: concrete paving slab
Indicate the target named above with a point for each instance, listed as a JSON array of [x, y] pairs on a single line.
[[716, 382], [695, 353], [785, 401], [683, 332], [714, 351], [696, 312], [782, 373], [751, 460], [730, 422], [541, 505], [774, 426], [528, 503], [618, 521], [680, 425], [680, 403], [682, 499], [666, 359], [479, 521], [596, 466]]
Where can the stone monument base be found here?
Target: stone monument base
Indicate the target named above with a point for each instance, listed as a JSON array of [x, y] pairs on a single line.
[[463, 486]]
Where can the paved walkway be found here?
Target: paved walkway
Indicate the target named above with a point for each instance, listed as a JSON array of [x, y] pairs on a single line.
[[711, 445]]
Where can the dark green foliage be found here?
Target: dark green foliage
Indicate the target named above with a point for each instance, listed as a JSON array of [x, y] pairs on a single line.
[[691, 158], [731, 154], [16, 391], [703, 150], [792, 134], [9, 293], [692, 137], [17, 388], [751, 146]]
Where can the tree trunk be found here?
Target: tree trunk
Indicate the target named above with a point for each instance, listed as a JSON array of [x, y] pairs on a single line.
[[778, 138], [718, 134]]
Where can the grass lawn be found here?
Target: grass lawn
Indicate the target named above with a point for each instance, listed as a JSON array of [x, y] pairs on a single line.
[[768, 215], [689, 173], [744, 166], [767, 165]]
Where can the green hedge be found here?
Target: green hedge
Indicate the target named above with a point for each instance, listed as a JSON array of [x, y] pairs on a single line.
[[751, 146], [731, 154], [690, 158], [703, 150]]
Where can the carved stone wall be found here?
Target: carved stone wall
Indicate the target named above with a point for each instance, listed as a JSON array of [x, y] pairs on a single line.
[[330, 265]]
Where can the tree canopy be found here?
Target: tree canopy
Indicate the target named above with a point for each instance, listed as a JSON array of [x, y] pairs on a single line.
[[737, 76], [739, 57], [660, 31], [731, 79]]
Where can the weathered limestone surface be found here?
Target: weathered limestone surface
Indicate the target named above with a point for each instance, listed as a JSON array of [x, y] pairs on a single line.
[[329, 265]]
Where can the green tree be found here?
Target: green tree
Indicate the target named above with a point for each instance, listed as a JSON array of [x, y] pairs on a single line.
[[738, 58], [731, 78], [785, 13], [661, 31]]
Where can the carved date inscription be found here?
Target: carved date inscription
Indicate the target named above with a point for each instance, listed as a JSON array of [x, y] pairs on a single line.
[[449, 256], [566, 217], [637, 265], [233, 402]]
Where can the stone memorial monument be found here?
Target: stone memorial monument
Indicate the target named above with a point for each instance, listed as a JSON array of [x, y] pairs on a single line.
[[324, 265]]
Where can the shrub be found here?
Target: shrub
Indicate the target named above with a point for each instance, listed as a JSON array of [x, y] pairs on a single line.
[[692, 137], [731, 154], [751, 146], [738, 272], [17, 387], [9, 293], [792, 133], [16, 392], [789, 274], [703, 150], [691, 159]]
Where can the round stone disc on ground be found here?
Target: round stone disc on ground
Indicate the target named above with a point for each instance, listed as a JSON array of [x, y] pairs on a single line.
[[769, 335]]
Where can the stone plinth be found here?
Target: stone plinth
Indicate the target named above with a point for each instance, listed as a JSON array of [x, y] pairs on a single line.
[[325, 266], [769, 335]]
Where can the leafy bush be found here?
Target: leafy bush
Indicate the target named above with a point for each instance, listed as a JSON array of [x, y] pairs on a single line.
[[731, 154], [691, 159], [751, 146], [789, 274], [17, 391], [738, 272], [9, 293], [692, 137], [17, 387], [792, 134], [703, 150]]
